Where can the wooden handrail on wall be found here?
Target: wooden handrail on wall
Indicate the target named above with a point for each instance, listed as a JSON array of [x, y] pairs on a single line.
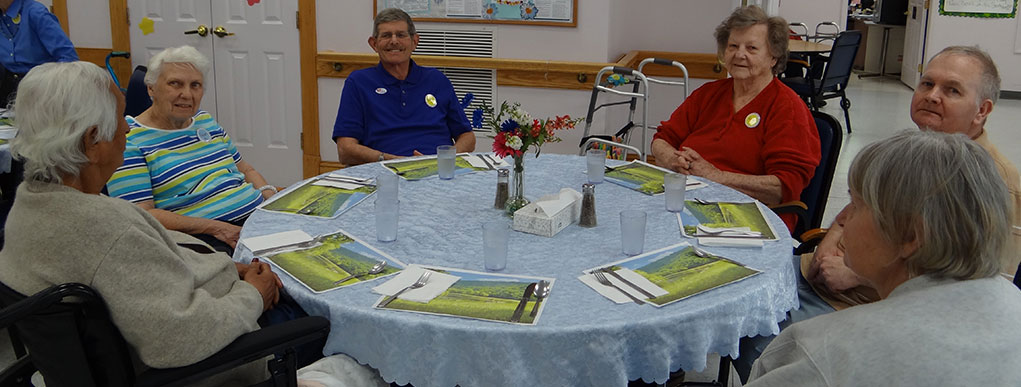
[[703, 66], [529, 72], [512, 72], [509, 72]]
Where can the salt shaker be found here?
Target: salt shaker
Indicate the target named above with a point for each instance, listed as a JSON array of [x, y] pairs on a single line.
[[588, 205], [502, 188]]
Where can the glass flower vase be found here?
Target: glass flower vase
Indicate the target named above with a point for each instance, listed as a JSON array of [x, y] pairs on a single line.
[[517, 197]]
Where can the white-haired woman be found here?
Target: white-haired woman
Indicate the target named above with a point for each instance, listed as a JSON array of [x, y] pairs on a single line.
[[179, 164], [926, 227], [173, 305]]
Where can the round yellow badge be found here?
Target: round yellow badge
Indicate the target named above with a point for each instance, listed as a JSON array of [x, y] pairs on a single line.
[[430, 100], [752, 120]]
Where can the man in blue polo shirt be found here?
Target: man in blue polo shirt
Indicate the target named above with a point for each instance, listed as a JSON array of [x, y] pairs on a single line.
[[398, 108], [31, 37]]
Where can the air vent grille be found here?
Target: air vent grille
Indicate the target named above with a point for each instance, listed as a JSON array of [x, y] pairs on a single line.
[[464, 43]]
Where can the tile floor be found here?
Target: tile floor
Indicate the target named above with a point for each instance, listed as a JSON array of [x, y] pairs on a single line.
[[879, 108]]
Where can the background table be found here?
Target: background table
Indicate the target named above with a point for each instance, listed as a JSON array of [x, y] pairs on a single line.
[[581, 338]]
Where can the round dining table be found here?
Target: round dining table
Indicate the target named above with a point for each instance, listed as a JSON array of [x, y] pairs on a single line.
[[581, 337]]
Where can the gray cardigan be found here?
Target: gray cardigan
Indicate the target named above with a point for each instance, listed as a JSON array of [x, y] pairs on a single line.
[[173, 306], [926, 333]]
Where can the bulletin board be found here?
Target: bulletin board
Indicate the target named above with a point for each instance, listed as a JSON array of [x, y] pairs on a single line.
[[558, 13], [979, 8]]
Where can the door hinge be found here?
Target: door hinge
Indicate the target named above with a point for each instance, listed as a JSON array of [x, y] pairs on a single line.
[[297, 20], [927, 4], [919, 68], [301, 140], [127, 16]]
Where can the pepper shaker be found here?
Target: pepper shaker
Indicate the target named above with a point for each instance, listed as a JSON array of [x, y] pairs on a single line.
[[502, 188], [588, 205]]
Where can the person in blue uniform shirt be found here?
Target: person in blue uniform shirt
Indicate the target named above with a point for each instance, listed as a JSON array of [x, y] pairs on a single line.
[[398, 108], [31, 37]]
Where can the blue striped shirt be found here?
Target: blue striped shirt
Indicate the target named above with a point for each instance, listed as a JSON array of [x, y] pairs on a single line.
[[181, 173]]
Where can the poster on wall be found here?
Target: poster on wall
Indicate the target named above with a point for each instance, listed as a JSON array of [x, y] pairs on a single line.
[[537, 12], [979, 8]]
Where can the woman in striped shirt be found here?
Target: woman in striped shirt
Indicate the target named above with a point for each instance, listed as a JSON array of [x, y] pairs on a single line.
[[179, 164]]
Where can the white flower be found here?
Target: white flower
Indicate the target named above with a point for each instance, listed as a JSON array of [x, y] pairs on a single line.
[[520, 116], [514, 142]]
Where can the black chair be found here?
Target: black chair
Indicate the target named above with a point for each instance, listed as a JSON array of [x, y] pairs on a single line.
[[137, 98], [812, 203], [72, 341], [835, 75]]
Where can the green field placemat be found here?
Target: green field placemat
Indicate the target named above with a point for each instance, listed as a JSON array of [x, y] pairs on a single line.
[[417, 168], [680, 271], [725, 215], [639, 176], [478, 295], [338, 256], [317, 200]]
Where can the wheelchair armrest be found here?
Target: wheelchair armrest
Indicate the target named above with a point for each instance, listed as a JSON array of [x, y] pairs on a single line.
[[810, 240], [246, 348], [795, 207]]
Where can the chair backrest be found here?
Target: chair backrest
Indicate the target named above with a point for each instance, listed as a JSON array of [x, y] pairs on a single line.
[[817, 192], [69, 335], [137, 98], [841, 61]]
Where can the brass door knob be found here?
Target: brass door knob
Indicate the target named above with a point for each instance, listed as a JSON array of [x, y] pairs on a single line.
[[202, 31], [221, 32]]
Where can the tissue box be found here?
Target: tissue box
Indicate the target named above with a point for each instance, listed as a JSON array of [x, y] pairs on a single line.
[[534, 218]]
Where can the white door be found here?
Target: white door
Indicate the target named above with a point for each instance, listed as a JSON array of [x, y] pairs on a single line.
[[257, 84], [253, 89], [171, 20], [914, 43]]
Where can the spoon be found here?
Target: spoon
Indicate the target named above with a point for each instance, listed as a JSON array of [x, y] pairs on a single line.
[[376, 269], [541, 291]]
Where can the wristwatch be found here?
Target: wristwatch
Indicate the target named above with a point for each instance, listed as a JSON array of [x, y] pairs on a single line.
[[381, 158]]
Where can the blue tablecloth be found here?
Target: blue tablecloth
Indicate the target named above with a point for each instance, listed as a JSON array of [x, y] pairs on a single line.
[[582, 338]]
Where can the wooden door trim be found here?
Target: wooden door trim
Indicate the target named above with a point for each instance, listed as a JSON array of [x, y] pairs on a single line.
[[308, 46], [120, 37], [59, 10]]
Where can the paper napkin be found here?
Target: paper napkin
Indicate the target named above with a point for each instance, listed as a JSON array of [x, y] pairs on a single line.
[[638, 280], [730, 242], [341, 176], [476, 161], [266, 242], [438, 283], [725, 232], [694, 184], [616, 295], [338, 184]]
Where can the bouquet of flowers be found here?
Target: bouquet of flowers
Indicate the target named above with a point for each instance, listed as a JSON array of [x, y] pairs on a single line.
[[514, 132]]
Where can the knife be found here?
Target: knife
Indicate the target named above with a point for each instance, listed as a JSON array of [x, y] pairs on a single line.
[[626, 282], [516, 317]]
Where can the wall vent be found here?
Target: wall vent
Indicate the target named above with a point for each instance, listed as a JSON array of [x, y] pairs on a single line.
[[466, 43]]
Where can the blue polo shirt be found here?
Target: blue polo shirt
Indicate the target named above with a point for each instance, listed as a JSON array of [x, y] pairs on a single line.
[[30, 35], [398, 117]]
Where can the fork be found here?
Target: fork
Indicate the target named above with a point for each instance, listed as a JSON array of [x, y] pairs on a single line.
[[603, 280], [308, 243], [700, 201], [419, 283]]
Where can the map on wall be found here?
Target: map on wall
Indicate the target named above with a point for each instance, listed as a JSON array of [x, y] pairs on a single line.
[[979, 8], [537, 12]]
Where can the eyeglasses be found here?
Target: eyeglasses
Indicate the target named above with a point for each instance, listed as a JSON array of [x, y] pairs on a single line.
[[400, 35]]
